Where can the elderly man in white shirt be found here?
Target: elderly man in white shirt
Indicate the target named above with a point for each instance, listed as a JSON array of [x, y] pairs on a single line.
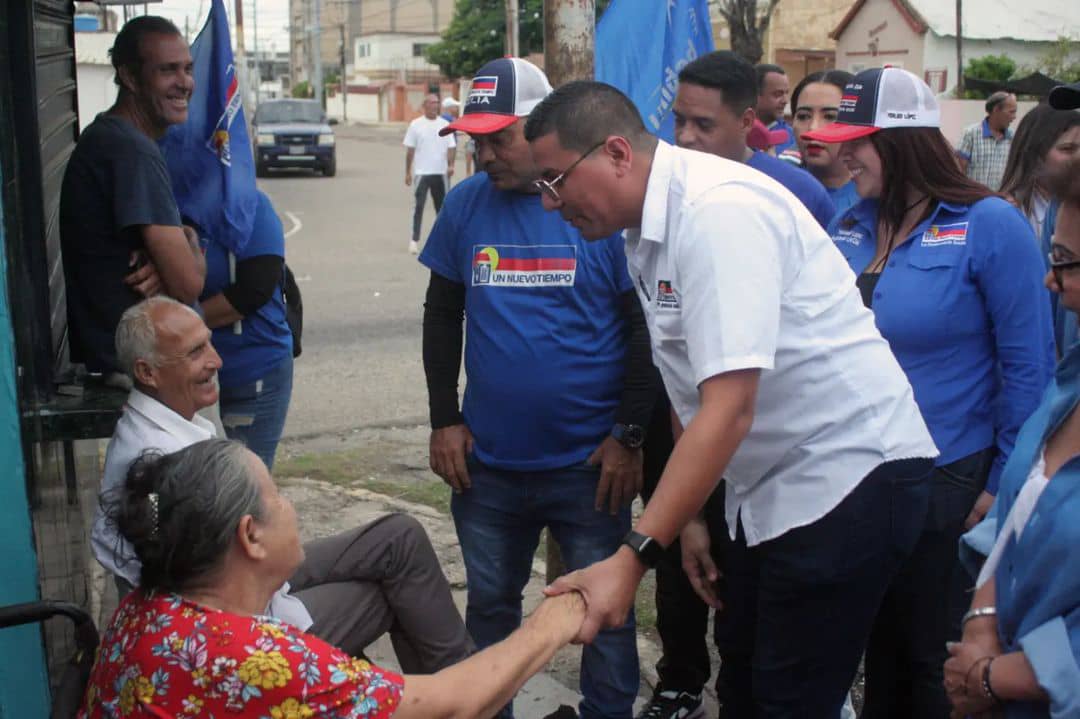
[[784, 387], [353, 586]]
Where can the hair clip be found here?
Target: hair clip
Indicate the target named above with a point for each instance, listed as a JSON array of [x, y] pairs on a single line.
[[153, 498]]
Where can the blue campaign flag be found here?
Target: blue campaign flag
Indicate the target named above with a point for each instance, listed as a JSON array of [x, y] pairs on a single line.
[[209, 156], [642, 45]]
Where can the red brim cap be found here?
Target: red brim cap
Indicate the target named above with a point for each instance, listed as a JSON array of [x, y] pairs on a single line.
[[479, 123], [840, 132]]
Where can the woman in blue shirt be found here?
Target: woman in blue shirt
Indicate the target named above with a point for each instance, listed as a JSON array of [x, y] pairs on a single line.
[[1021, 640], [242, 303], [953, 276], [814, 103]]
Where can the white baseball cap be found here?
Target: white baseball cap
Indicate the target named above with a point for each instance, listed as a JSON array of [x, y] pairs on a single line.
[[879, 99], [502, 91]]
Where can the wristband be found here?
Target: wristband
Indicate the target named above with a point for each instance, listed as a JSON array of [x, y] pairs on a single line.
[[987, 689], [976, 613]]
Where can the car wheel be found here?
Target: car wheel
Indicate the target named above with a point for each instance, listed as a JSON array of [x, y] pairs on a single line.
[[330, 168], [260, 169]]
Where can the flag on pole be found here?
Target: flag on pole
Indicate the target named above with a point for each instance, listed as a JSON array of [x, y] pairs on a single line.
[[209, 156], [642, 46]]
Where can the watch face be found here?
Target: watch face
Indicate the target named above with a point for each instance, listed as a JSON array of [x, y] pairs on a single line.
[[630, 435]]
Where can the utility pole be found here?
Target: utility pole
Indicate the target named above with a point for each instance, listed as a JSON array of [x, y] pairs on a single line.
[[569, 40], [569, 46], [255, 48], [344, 81], [959, 50], [316, 50], [240, 61], [512, 28]]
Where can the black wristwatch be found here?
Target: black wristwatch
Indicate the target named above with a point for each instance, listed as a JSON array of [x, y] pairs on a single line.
[[645, 547], [631, 436]]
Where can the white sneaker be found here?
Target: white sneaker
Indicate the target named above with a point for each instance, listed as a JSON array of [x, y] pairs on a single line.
[[414, 247]]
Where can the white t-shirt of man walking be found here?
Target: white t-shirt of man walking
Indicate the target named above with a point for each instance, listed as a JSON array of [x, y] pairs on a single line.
[[430, 149]]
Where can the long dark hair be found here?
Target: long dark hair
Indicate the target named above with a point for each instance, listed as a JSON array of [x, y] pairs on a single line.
[[920, 158], [837, 78], [1034, 137]]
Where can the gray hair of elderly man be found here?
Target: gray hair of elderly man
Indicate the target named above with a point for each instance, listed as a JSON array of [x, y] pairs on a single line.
[[136, 335]]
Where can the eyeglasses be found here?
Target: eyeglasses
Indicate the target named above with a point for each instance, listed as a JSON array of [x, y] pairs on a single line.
[[550, 187], [1059, 266]]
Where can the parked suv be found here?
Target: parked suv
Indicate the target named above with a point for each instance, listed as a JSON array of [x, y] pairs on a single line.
[[293, 133]]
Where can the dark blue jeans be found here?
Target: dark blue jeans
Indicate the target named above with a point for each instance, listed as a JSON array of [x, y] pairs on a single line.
[[498, 522], [799, 608], [254, 413]]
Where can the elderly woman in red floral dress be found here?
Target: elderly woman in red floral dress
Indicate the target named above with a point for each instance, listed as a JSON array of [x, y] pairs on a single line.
[[216, 539]]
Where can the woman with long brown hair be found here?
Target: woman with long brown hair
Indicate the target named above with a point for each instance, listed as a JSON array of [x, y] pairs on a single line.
[[1045, 140], [954, 277]]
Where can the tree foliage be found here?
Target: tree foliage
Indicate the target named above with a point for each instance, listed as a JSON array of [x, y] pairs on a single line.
[[747, 23], [302, 89], [995, 68], [477, 34], [1062, 60]]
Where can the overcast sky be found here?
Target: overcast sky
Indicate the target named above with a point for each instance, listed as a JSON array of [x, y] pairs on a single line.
[[272, 17]]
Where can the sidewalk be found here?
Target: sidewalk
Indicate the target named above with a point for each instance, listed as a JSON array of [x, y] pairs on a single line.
[[326, 508]]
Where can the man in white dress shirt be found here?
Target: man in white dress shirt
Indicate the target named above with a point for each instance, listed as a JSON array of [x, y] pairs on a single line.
[[352, 587], [779, 382]]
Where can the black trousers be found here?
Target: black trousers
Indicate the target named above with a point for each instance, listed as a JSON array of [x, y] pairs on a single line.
[[436, 184], [799, 608], [682, 619], [924, 604]]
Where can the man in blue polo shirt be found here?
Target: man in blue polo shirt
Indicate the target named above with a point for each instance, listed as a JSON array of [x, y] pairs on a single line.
[[560, 382], [773, 90], [714, 113]]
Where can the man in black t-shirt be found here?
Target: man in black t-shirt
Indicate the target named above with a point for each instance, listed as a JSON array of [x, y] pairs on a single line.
[[120, 229]]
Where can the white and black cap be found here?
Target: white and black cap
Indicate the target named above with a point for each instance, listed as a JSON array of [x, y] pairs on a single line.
[[502, 91], [879, 99]]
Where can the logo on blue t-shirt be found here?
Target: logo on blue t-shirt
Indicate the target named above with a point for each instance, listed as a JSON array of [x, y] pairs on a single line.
[[952, 234], [524, 265]]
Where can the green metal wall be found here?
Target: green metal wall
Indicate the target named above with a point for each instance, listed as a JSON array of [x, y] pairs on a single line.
[[24, 687]]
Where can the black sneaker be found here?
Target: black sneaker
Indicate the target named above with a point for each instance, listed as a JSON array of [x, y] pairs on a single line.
[[673, 705], [563, 712]]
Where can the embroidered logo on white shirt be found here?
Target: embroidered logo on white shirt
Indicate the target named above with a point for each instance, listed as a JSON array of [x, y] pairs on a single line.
[[665, 295]]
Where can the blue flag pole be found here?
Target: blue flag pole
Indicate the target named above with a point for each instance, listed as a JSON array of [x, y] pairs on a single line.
[[644, 63]]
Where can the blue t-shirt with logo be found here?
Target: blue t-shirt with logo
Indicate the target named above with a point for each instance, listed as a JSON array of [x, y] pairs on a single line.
[[264, 339], [799, 182], [545, 338]]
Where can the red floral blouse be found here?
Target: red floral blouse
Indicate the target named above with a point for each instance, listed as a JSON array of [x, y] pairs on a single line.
[[163, 656]]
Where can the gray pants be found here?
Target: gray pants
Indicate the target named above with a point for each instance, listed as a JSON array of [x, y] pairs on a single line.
[[437, 185], [383, 577]]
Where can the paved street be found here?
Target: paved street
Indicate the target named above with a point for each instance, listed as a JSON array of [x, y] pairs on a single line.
[[347, 245]]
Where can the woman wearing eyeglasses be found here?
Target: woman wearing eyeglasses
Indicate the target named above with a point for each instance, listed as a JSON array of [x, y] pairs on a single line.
[[952, 273], [1021, 643]]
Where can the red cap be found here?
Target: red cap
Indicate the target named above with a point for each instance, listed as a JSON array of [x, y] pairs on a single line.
[[839, 132], [762, 138]]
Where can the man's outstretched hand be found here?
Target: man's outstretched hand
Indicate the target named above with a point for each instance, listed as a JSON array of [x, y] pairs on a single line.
[[608, 588]]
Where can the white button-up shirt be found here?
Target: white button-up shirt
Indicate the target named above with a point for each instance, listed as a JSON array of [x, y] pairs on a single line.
[[149, 424], [734, 273]]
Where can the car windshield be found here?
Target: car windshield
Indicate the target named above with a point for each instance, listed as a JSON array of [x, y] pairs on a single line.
[[274, 112]]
